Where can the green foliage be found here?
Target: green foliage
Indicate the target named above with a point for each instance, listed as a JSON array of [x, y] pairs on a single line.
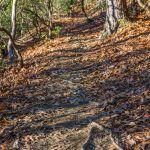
[[132, 12], [102, 5], [123, 22], [43, 35], [3, 45], [2, 64], [5, 12], [56, 31], [66, 5]]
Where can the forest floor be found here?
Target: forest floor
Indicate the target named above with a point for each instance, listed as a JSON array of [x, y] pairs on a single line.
[[74, 80]]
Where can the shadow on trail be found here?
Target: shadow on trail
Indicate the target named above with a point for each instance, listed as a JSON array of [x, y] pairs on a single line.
[[78, 29], [87, 27], [45, 129], [129, 82], [125, 40], [86, 68], [125, 90]]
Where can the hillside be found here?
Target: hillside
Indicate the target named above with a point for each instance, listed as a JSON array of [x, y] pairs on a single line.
[[74, 80]]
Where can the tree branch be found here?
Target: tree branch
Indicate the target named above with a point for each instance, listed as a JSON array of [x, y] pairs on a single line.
[[14, 45]]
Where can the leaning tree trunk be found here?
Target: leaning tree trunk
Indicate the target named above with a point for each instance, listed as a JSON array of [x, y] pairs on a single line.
[[13, 32], [115, 11], [14, 47], [11, 45]]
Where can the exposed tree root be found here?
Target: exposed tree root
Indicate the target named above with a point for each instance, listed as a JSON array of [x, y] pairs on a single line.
[[100, 138]]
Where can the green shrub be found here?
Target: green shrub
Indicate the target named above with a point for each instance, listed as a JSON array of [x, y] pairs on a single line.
[[123, 22], [2, 64], [43, 35], [103, 5], [66, 5], [56, 31]]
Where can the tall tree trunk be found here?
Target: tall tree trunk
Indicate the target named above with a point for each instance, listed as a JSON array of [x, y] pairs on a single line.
[[11, 45], [49, 9], [13, 32], [115, 11], [22, 20]]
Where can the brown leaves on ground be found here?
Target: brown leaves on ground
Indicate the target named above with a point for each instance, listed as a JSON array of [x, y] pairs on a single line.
[[75, 79]]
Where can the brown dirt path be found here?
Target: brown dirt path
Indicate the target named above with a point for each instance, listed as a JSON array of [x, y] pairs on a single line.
[[74, 80]]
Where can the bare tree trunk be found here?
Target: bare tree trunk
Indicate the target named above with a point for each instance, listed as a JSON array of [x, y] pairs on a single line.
[[11, 45], [115, 11], [13, 32], [14, 47], [22, 20], [49, 9]]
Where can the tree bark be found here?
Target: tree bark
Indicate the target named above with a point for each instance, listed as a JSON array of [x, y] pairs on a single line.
[[11, 44], [115, 11], [49, 9], [14, 46], [13, 32]]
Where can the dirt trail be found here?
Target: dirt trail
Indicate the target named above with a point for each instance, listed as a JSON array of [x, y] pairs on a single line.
[[74, 80]]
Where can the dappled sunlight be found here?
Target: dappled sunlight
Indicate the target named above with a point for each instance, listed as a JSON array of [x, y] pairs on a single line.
[[75, 79]]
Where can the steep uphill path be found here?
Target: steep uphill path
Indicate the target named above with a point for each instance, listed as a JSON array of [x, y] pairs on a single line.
[[75, 80]]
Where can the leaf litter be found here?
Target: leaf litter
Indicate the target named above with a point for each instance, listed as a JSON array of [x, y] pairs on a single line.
[[76, 79]]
